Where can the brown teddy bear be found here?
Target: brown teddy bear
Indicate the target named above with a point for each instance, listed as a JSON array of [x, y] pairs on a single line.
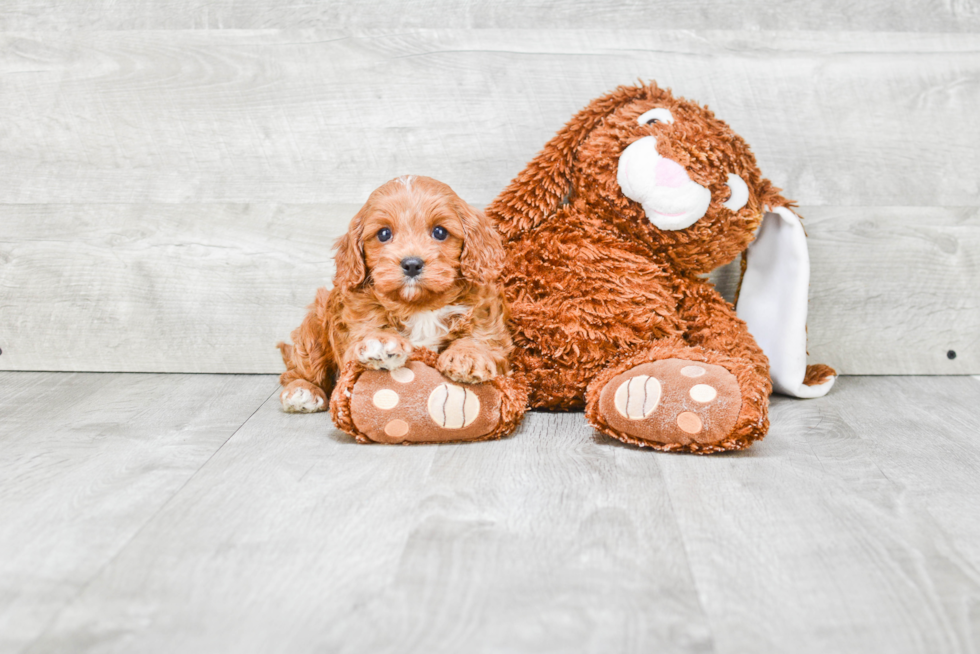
[[608, 233]]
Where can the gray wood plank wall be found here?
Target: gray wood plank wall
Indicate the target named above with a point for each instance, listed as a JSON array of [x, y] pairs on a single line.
[[826, 15], [171, 193]]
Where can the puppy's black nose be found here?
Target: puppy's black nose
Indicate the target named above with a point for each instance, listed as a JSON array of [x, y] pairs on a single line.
[[412, 266]]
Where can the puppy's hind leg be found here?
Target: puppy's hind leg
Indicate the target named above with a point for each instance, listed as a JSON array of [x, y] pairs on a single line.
[[286, 351], [310, 372]]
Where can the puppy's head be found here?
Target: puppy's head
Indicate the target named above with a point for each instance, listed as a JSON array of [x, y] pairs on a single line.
[[414, 239]]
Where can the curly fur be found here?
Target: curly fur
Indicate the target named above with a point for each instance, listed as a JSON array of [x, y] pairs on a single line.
[[373, 299]]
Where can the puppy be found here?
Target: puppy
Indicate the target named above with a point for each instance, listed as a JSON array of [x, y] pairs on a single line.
[[418, 267]]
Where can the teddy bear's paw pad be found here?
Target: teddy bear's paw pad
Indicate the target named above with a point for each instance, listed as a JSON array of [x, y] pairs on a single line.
[[673, 401], [416, 404]]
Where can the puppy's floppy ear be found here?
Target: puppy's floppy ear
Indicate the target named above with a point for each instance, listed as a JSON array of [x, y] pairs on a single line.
[[540, 188], [482, 257], [351, 268], [772, 300]]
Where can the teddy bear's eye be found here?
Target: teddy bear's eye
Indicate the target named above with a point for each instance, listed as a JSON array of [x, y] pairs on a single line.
[[739, 195], [384, 234], [654, 116]]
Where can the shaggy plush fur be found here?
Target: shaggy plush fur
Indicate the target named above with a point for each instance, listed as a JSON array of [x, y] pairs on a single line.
[[595, 288], [378, 314]]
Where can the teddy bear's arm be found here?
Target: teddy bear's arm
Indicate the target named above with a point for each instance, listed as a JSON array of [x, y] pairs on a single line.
[[711, 323]]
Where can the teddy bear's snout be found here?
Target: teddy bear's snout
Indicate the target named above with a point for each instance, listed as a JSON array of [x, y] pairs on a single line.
[[671, 200], [669, 173]]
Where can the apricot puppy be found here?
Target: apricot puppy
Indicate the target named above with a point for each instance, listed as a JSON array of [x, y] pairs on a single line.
[[417, 268]]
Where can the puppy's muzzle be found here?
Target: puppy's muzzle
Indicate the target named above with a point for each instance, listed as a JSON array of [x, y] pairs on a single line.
[[412, 266]]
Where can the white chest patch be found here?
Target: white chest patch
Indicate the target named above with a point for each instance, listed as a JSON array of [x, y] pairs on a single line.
[[429, 328]]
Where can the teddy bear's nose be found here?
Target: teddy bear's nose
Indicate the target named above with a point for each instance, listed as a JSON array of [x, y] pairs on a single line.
[[670, 173]]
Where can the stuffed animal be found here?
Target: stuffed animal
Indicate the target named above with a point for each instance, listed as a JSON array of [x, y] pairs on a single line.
[[608, 233], [415, 403]]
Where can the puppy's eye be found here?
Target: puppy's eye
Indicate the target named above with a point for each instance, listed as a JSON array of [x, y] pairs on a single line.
[[655, 116], [440, 233], [384, 234]]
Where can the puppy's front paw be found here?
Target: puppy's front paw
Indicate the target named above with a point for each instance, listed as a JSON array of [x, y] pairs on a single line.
[[467, 363], [383, 352], [302, 397]]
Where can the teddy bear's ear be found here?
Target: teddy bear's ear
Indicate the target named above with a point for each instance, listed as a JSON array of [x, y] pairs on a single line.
[[539, 190], [772, 300]]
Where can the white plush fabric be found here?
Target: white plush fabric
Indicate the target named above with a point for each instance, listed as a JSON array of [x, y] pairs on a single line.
[[671, 200], [773, 300], [740, 193]]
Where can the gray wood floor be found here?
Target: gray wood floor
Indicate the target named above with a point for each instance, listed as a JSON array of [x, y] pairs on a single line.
[[186, 513]]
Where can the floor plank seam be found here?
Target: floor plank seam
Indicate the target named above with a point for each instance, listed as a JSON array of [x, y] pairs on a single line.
[[42, 633], [813, 450], [687, 558]]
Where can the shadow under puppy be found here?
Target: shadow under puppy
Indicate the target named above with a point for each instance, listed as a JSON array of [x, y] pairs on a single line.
[[411, 344]]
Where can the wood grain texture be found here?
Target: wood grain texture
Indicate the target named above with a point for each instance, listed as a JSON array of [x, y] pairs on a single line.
[[937, 464], [836, 119], [163, 288], [851, 528], [347, 548], [893, 290], [904, 282], [827, 15], [213, 287], [87, 461]]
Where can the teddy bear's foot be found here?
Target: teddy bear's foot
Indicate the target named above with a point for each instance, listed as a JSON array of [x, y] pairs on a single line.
[[416, 404], [671, 404]]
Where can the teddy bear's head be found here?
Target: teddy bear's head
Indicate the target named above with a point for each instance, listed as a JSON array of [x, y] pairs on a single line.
[[663, 170]]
